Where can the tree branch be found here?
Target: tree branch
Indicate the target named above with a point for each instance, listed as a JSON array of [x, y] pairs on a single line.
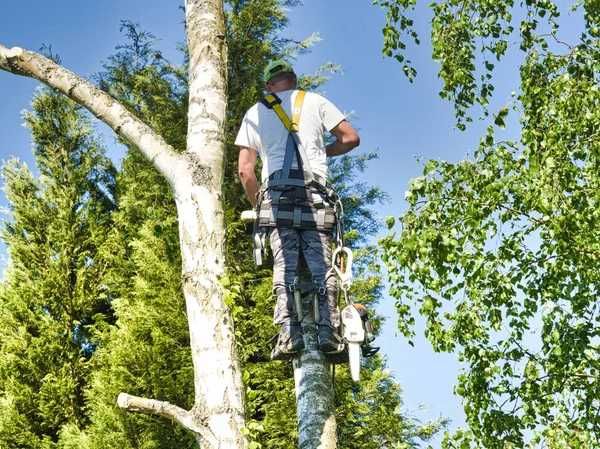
[[165, 409], [33, 65]]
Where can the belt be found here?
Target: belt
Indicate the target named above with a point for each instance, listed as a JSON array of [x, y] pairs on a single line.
[[295, 176]]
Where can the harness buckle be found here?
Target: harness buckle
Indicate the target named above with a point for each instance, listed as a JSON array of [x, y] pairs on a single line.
[[292, 286], [320, 287], [342, 267]]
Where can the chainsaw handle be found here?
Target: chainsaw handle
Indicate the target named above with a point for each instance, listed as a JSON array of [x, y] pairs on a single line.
[[248, 215], [344, 273]]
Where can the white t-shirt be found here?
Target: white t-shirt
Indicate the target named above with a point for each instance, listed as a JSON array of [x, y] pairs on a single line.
[[261, 130]]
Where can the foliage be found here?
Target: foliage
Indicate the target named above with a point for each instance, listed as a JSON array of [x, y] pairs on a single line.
[[52, 293], [140, 345], [146, 352], [500, 253], [470, 37]]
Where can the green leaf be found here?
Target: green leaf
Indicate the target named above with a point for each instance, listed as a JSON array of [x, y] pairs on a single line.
[[499, 119]]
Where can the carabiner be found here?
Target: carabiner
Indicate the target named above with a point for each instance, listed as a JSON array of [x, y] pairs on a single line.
[[344, 271]]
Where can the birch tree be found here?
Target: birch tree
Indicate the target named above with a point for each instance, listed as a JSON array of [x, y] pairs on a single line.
[[500, 252], [195, 176]]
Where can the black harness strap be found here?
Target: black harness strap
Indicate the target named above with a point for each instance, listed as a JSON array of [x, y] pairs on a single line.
[[297, 198]]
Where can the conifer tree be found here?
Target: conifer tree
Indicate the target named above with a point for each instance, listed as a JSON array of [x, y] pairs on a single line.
[[52, 292], [144, 274], [147, 351]]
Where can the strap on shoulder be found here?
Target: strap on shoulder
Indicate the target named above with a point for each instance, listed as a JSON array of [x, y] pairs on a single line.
[[293, 145], [272, 101], [297, 111]]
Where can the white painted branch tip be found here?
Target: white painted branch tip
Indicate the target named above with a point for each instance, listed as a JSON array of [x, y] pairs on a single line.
[[8, 53], [123, 400]]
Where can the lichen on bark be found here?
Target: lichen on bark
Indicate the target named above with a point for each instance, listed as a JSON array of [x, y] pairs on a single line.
[[202, 175]]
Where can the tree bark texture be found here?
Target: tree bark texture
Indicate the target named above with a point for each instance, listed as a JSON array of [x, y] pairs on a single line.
[[217, 417], [219, 393], [315, 406]]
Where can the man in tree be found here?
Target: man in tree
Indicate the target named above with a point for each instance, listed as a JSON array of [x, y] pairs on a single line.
[[294, 206]]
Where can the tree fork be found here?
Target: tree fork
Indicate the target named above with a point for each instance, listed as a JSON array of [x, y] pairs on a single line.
[[195, 177]]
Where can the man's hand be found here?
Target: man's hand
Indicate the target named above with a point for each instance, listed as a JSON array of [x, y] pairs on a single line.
[[246, 165], [346, 139]]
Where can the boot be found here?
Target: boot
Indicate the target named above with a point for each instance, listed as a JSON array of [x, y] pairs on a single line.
[[289, 342], [330, 341]]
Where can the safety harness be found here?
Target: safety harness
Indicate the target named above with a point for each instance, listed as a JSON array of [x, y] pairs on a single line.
[[301, 199], [294, 198]]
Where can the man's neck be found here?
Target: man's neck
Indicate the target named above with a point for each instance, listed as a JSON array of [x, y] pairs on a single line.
[[276, 90]]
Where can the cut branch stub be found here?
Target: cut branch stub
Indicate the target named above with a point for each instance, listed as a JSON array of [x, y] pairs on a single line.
[[165, 409]]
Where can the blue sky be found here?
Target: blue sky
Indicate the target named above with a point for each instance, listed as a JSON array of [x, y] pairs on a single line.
[[399, 120]]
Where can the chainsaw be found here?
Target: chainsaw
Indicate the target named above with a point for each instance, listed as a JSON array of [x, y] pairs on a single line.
[[357, 331]]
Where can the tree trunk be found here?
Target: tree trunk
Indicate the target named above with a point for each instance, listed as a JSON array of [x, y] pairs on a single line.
[[315, 406], [217, 373], [217, 417]]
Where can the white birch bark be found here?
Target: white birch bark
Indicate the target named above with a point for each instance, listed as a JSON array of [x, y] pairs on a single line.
[[217, 374], [217, 417]]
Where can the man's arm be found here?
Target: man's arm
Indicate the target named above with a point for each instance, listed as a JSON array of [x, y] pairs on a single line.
[[346, 139], [246, 165]]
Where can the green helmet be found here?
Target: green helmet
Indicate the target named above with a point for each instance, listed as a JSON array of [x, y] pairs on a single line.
[[275, 67]]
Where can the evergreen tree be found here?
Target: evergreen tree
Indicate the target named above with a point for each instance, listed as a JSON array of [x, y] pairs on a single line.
[[144, 276], [52, 293]]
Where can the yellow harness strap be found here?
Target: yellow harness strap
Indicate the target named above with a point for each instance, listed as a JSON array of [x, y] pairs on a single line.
[[290, 125], [297, 111]]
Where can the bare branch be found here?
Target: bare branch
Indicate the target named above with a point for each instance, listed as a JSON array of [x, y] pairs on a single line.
[[167, 410], [26, 63]]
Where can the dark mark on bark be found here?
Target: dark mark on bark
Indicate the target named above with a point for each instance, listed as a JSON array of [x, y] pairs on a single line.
[[201, 174]]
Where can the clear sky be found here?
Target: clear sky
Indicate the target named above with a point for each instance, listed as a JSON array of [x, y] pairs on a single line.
[[399, 120]]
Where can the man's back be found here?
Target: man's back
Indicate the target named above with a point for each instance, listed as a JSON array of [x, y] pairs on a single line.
[[263, 131], [297, 217]]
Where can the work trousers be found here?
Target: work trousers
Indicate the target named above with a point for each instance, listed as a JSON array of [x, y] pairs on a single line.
[[291, 248]]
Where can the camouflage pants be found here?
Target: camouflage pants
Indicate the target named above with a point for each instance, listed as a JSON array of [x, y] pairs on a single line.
[[291, 249]]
